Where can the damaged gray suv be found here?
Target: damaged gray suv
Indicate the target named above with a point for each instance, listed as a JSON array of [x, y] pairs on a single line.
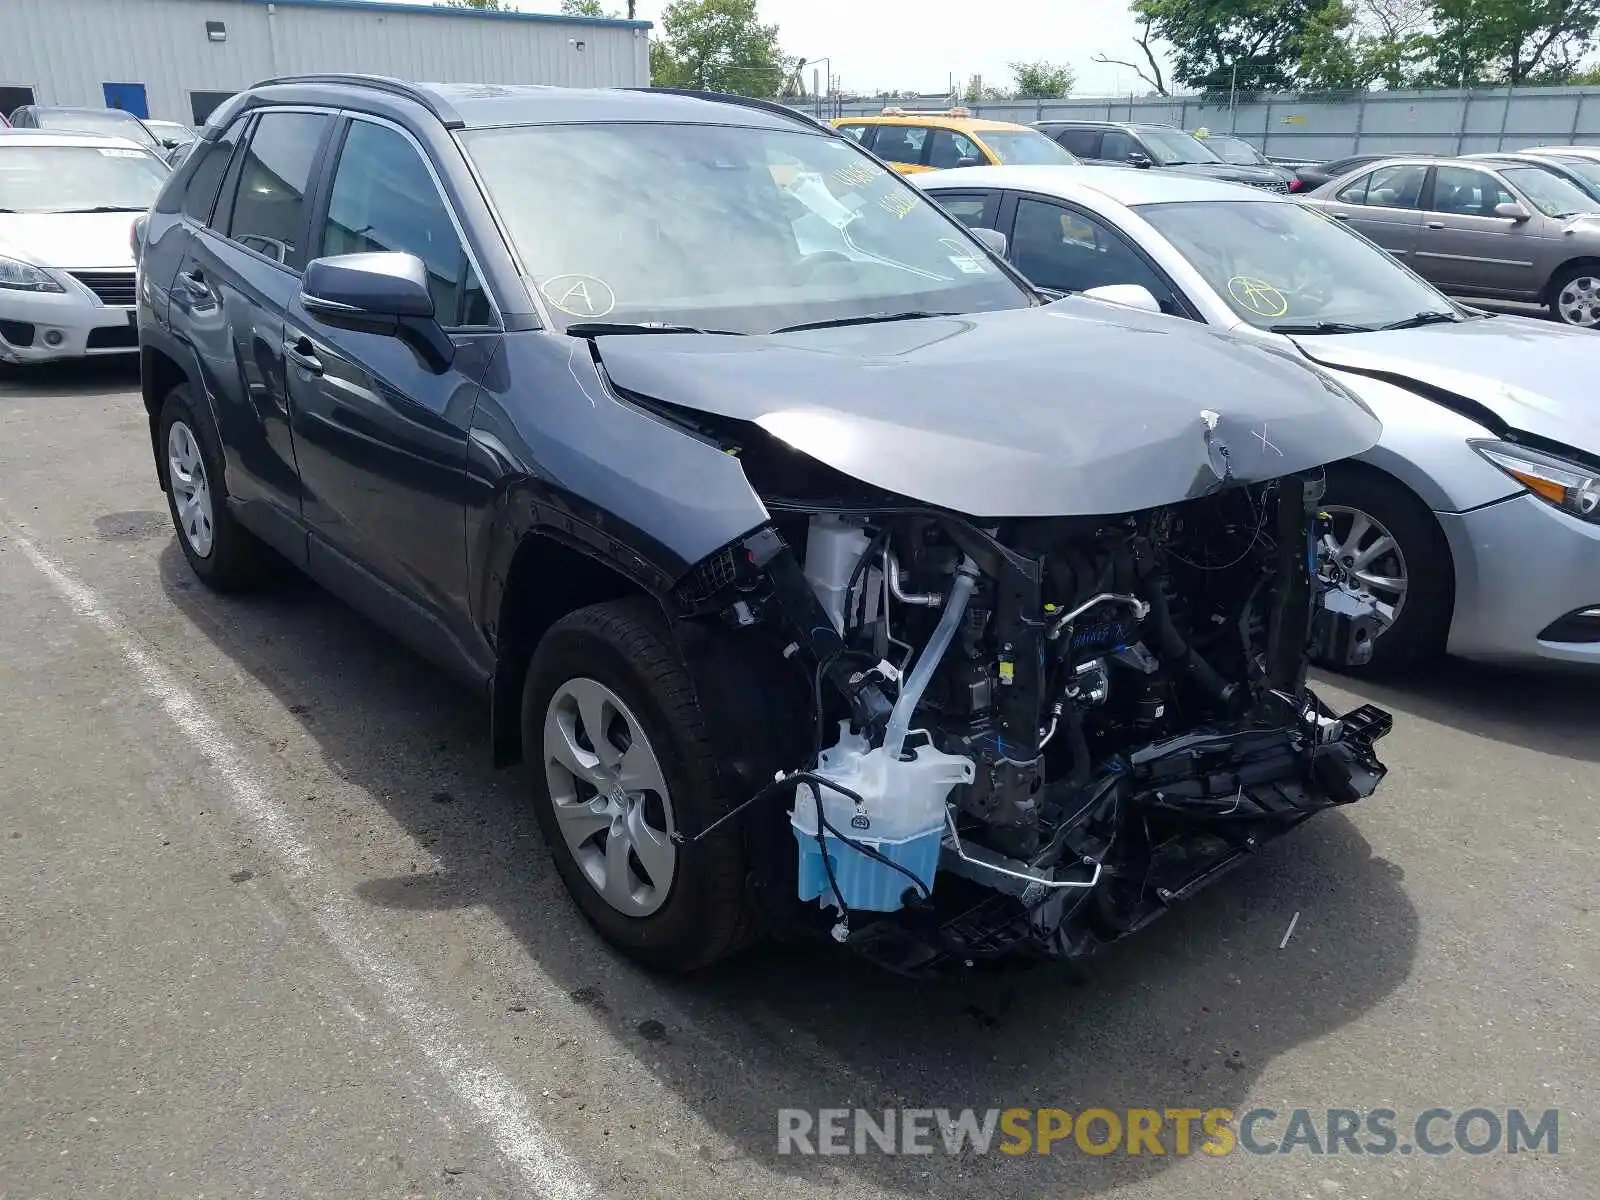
[[829, 579]]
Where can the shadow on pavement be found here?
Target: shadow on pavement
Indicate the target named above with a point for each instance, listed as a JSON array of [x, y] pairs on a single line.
[[1186, 1015], [1549, 709], [73, 378]]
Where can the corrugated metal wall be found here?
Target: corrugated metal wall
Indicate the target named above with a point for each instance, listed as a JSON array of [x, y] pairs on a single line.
[[65, 50], [1378, 122]]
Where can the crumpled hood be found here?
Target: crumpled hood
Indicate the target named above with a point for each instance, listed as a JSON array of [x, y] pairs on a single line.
[[1534, 376], [69, 241], [1073, 408]]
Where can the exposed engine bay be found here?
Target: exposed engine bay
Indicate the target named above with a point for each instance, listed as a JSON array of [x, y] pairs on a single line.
[[1032, 736]]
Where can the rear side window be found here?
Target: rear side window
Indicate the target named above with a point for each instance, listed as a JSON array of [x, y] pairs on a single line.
[[268, 214], [205, 178], [901, 143], [384, 199], [1080, 141], [858, 132]]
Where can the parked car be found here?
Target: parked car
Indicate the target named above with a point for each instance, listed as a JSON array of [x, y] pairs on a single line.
[[1517, 232], [1476, 518], [1583, 173], [67, 202], [1589, 152], [1241, 153], [171, 134], [801, 601], [913, 141], [1154, 147], [1310, 178], [108, 122]]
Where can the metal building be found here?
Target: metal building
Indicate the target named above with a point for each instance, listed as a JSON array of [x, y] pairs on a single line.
[[178, 59]]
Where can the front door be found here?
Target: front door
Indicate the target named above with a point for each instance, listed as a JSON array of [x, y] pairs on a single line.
[[129, 97], [1465, 247], [1385, 205], [380, 430]]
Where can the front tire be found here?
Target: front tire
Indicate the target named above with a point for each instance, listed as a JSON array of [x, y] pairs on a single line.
[[1575, 296], [1388, 542], [621, 761], [222, 553]]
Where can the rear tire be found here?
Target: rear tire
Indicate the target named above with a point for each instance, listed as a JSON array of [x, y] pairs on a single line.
[[648, 770], [1420, 556], [222, 553]]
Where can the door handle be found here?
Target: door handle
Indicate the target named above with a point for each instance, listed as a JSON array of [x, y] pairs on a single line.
[[195, 280], [299, 352], [1435, 224]]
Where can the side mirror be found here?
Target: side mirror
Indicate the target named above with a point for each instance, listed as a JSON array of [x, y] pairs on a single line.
[[384, 293], [1129, 295], [993, 239], [1138, 158], [969, 161], [1512, 212]]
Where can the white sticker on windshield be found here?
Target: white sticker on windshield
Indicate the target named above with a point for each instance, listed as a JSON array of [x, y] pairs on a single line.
[[970, 266], [118, 152]]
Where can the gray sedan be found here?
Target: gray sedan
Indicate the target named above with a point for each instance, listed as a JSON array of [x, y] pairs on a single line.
[[1478, 228], [1475, 521]]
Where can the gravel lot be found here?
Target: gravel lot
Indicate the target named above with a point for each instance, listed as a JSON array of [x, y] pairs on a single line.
[[270, 925]]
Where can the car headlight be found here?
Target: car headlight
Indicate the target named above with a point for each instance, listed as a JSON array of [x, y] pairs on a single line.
[[25, 277], [1569, 486]]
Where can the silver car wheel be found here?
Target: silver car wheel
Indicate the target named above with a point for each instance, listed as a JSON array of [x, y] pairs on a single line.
[[610, 796], [191, 493], [1362, 552], [1579, 301]]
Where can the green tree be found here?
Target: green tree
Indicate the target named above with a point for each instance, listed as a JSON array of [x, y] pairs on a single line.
[[1509, 42], [583, 8], [719, 46], [1042, 79], [1151, 71], [1253, 45], [976, 91]]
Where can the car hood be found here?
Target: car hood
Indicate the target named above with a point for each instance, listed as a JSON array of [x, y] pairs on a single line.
[[1071, 408], [68, 241], [1228, 172], [1532, 376]]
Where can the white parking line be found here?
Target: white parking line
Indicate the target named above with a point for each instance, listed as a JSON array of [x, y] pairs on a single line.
[[506, 1114]]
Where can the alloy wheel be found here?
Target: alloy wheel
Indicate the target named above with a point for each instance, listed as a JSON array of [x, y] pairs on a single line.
[[191, 492], [610, 796], [1579, 302], [1363, 553]]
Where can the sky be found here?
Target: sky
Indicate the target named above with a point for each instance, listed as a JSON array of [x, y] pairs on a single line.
[[919, 45]]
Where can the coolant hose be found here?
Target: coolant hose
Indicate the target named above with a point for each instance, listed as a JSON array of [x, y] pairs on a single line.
[[916, 683], [1177, 653]]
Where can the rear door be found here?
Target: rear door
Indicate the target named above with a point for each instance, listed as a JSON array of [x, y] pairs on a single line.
[[380, 432], [1465, 247], [1385, 205], [234, 286], [904, 147]]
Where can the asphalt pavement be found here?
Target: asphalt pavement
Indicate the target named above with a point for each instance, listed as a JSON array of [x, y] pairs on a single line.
[[270, 925]]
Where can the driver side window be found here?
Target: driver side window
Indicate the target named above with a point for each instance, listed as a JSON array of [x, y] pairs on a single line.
[[1069, 250], [949, 148]]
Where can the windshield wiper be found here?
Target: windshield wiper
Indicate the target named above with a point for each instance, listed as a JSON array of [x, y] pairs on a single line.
[[609, 328], [96, 209], [869, 319], [1424, 318], [1320, 327]]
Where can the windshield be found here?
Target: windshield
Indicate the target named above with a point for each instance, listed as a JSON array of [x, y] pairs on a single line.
[[1232, 150], [78, 178], [1585, 169], [1550, 193], [108, 122], [1277, 263], [1174, 147], [748, 230], [1026, 148]]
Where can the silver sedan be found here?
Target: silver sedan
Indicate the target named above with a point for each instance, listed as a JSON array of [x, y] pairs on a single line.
[[1475, 521]]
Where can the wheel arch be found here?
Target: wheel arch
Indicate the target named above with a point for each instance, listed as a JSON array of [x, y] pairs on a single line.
[[1587, 261], [159, 373]]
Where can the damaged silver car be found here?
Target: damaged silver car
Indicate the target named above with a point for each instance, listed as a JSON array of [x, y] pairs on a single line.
[[830, 581]]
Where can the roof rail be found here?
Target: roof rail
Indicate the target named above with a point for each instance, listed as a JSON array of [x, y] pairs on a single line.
[[767, 106], [379, 83]]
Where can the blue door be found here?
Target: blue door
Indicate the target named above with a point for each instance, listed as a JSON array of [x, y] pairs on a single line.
[[129, 97]]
